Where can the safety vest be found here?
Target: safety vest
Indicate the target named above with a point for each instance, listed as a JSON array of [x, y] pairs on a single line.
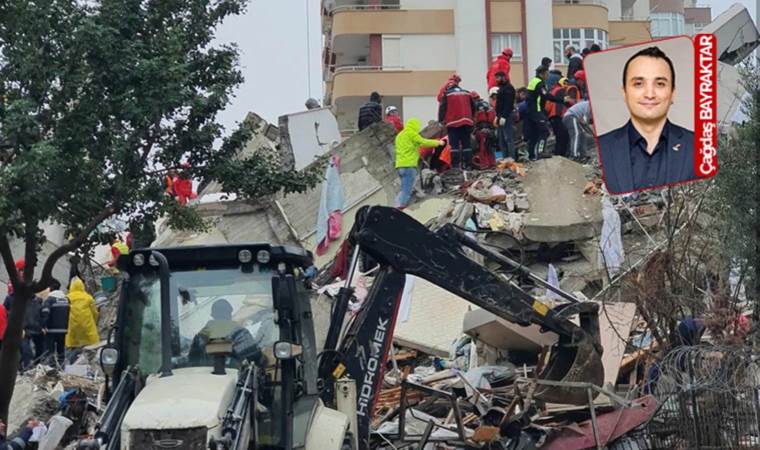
[[531, 88], [554, 109]]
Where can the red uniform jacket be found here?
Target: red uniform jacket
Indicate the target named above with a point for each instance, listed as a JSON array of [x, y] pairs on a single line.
[[396, 122], [500, 64], [456, 108]]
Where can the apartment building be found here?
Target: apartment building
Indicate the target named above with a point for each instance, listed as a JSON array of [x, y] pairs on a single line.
[[406, 49], [677, 17]]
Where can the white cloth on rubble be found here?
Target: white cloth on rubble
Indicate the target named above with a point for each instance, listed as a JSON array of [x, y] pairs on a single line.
[[612, 254], [406, 300], [553, 279]]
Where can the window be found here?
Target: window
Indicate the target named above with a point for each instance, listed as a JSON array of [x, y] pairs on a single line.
[[500, 41], [579, 38], [666, 24]]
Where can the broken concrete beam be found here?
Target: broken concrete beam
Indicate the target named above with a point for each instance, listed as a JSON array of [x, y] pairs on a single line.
[[736, 34], [559, 212], [496, 332]]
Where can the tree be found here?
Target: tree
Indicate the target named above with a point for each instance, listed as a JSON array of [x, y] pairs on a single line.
[[735, 198], [99, 98]]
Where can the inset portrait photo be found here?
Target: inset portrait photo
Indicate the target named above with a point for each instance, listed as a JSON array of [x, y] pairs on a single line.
[[642, 98]]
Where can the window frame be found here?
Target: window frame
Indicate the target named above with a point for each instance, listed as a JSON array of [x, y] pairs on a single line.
[[500, 41]]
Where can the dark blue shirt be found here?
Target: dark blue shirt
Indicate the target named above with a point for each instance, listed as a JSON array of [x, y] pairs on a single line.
[[648, 170]]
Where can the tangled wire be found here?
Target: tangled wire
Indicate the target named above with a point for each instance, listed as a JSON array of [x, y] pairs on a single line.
[[706, 368]]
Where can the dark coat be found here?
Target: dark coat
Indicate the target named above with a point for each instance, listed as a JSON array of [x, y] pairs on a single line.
[[575, 64], [369, 113], [505, 101], [615, 156]]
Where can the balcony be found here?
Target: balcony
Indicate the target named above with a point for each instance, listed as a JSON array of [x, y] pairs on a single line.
[[385, 20], [580, 14], [359, 81]]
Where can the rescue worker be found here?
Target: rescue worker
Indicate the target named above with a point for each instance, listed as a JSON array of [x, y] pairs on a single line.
[[393, 118], [454, 79], [505, 106], [555, 111], [33, 342], [408, 143], [521, 114], [455, 112], [83, 318], [577, 120], [55, 320], [500, 64], [19, 442], [575, 61], [485, 132], [536, 119], [370, 112], [580, 83], [118, 248], [183, 186]]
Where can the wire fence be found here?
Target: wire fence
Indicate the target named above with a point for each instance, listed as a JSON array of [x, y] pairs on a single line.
[[708, 397]]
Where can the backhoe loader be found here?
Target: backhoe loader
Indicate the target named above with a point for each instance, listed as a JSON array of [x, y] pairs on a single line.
[[214, 347]]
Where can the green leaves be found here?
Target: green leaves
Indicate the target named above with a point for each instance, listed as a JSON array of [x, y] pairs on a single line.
[[99, 96]]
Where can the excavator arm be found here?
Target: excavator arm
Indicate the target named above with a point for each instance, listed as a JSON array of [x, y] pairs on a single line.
[[401, 246]]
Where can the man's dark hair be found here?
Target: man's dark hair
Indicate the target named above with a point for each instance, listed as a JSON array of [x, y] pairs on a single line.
[[595, 48], [541, 70], [522, 89], [500, 74], [585, 51], [55, 285], [546, 62], [374, 97], [652, 52]]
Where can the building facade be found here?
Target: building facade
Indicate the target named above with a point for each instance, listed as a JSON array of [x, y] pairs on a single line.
[[677, 17], [406, 49]]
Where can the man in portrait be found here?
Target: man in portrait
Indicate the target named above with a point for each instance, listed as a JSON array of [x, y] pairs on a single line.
[[648, 151]]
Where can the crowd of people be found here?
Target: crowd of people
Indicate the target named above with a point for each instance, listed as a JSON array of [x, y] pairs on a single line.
[[476, 131], [56, 324]]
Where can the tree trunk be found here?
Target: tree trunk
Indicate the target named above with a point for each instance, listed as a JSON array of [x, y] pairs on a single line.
[[9, 355]]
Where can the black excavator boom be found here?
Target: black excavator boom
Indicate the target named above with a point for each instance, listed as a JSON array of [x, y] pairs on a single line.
[[401, 246]]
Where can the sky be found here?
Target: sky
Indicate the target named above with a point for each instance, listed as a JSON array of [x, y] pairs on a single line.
[[273, 45]]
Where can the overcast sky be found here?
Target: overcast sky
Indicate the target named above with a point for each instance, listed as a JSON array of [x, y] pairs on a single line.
[[272, 39]]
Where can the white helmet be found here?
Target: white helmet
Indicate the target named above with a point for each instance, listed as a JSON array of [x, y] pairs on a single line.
[[493, 91], [390, 109]]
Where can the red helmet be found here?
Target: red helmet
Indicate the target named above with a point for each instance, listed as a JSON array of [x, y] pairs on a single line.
[[507, 52], [580, 75], [475, 95]]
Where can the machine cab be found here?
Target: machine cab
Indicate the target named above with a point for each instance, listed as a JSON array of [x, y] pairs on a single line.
[[186, 329]]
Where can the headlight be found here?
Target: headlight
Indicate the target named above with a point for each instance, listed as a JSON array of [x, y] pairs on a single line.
[[138, 260], [153, 261], [286, 350], [108, 358], [245, 256], [263, 257]]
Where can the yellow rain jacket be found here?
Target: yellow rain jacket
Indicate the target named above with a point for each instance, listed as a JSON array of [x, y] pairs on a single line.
[[408, 144], [83, 317]]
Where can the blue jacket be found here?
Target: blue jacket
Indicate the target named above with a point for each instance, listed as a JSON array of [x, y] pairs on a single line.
[[614, 149]]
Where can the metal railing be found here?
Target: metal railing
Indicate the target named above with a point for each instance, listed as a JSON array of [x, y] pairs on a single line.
[[358, 68], [580, 2], [363, 7]]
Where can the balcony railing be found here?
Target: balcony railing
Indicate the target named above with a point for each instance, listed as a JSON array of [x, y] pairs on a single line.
[[364, 8], [580, 2]]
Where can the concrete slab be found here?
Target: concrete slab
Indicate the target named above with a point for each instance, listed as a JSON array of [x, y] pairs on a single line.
[[559, 211], [435, 319], [499, 333]]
